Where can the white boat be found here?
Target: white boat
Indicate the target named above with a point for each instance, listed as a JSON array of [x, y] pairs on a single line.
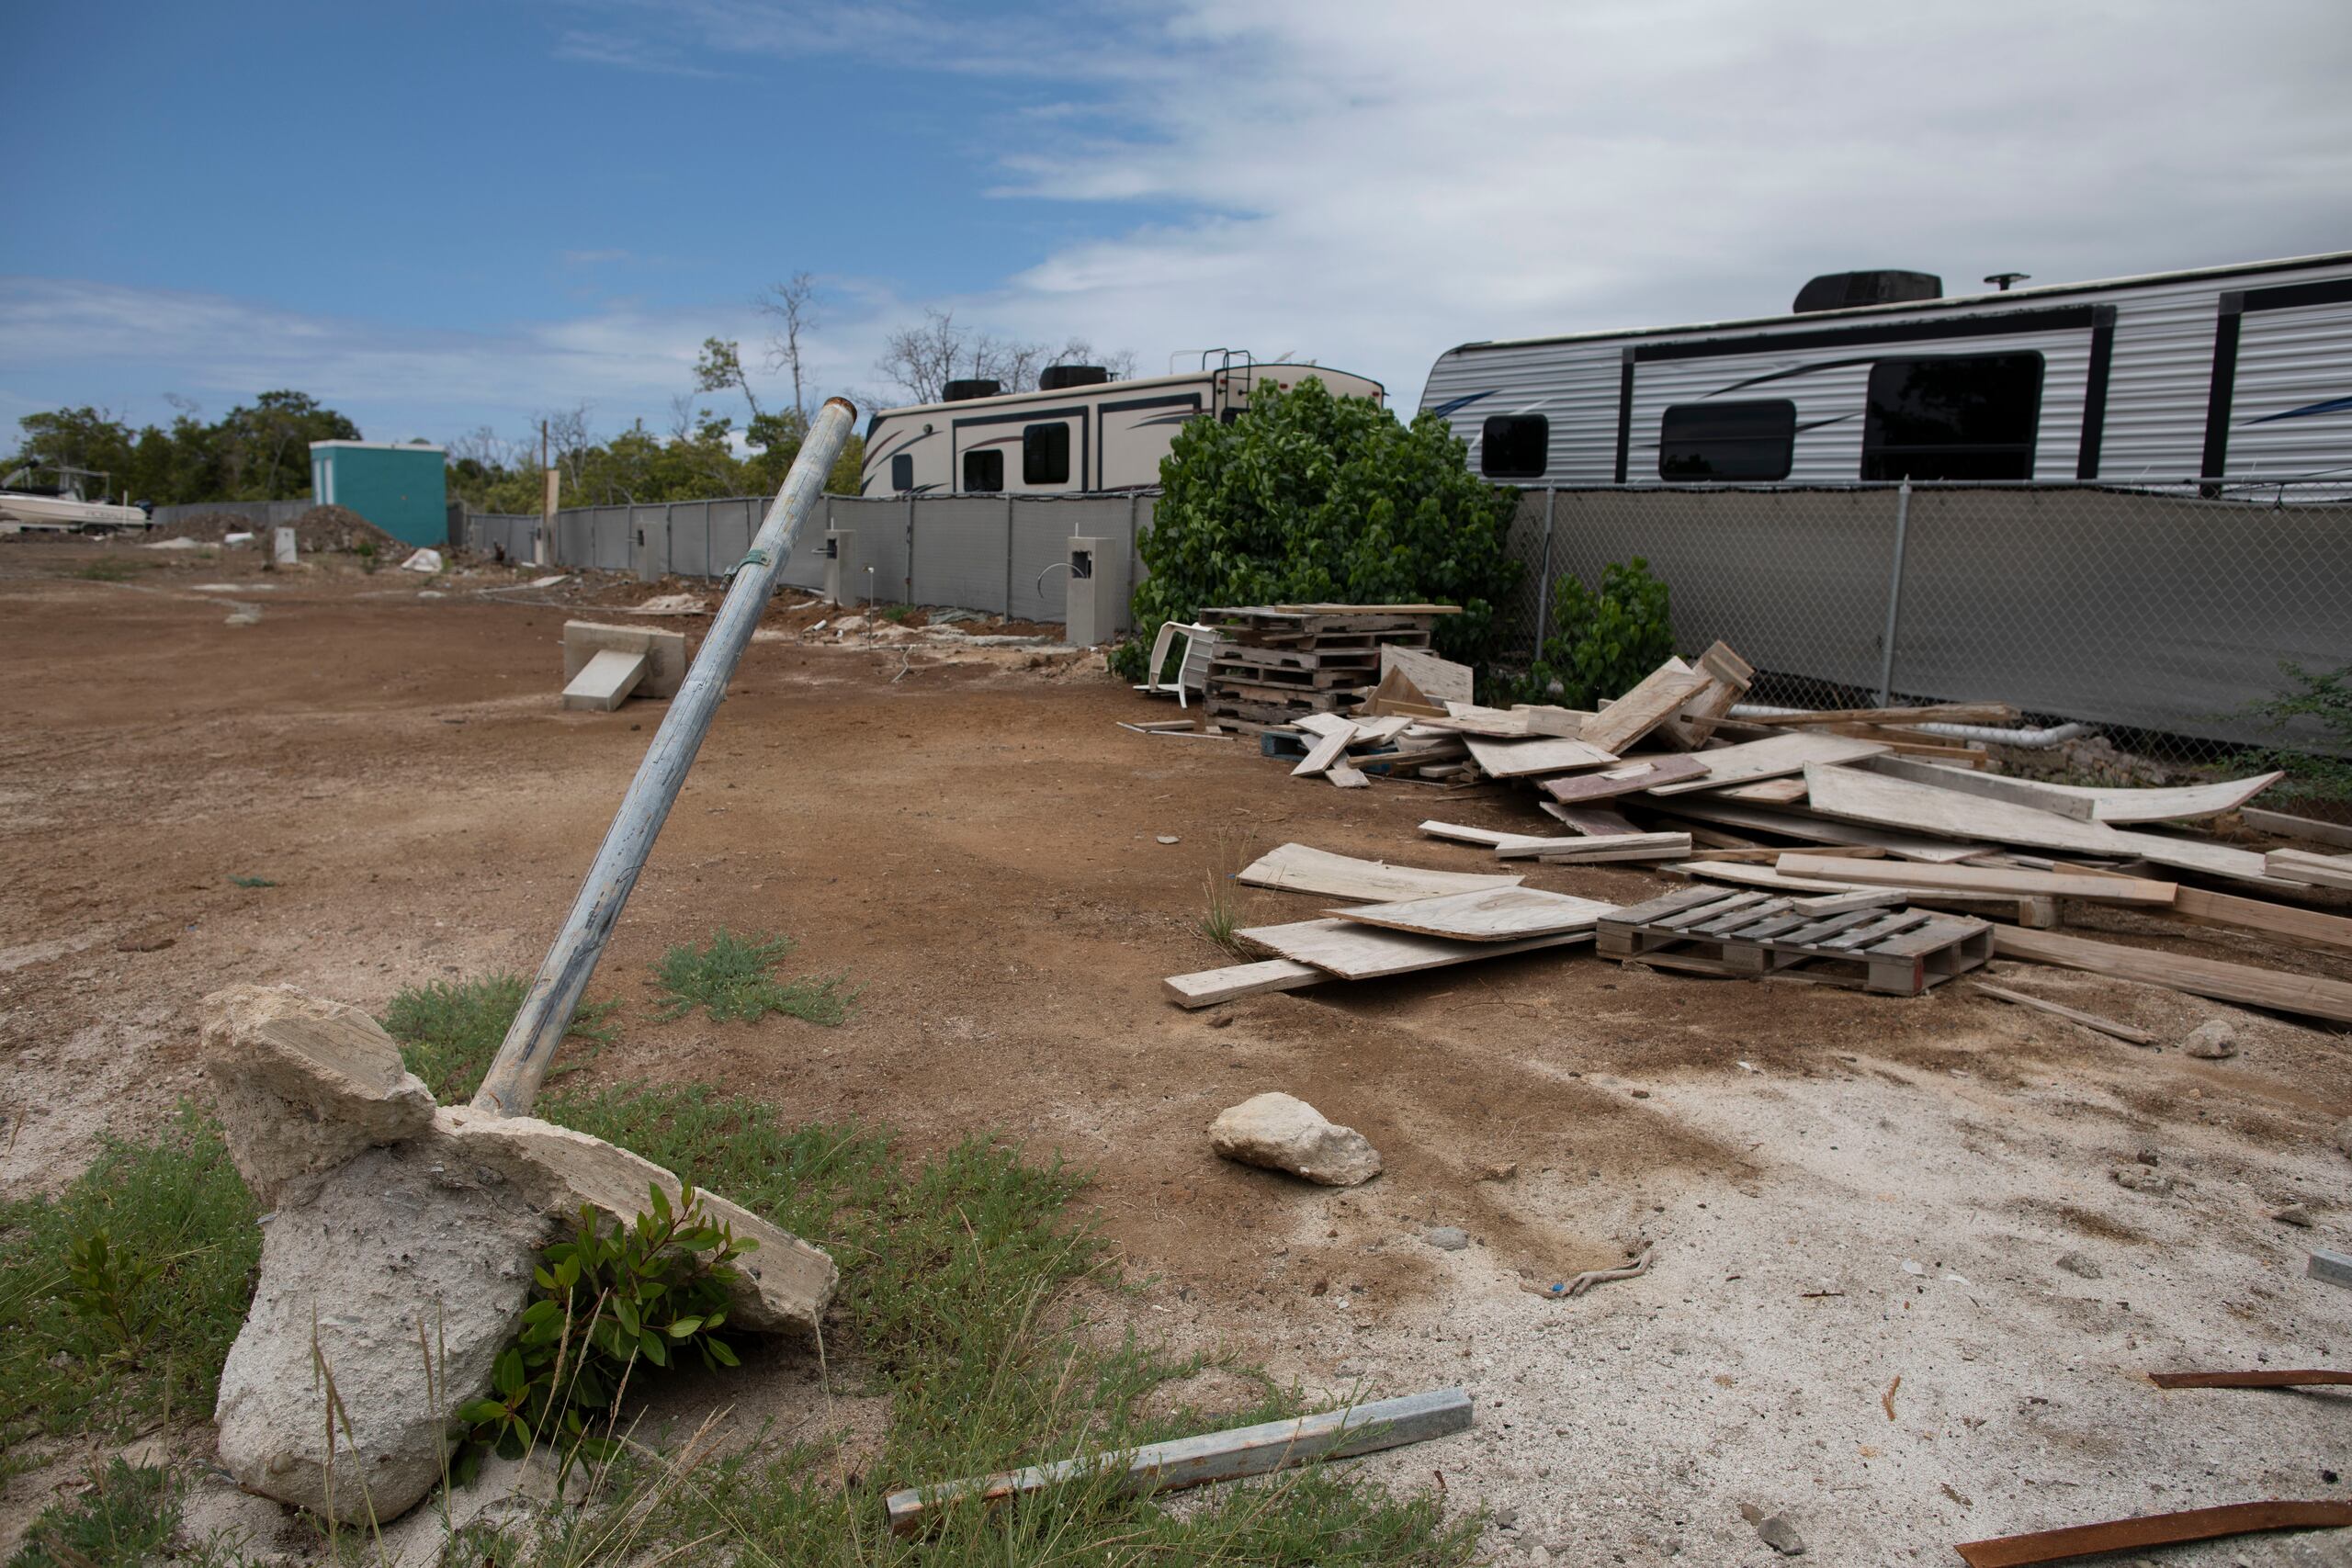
[[65, 510]]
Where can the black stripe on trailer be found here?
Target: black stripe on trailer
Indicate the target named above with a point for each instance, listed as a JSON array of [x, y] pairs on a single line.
[[2095, 391], [2226, 327], [1102, 451]]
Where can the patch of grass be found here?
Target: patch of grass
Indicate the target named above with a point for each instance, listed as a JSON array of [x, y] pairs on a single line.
[[251, 882], [449, 1032], [115, 568], [733, 977], [1223, 916], [126, 1518], [2318, 772], [898, 615], [119, 1298]]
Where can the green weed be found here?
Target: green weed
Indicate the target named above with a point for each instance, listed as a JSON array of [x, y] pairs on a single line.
[[898, 615], [126, 1518], [732, 977], [114, 568], [2315, 771], [449, 1032], [119, 1298]]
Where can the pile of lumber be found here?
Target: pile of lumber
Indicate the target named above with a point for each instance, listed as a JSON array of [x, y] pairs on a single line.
[[1276, 663], [1791, 809]]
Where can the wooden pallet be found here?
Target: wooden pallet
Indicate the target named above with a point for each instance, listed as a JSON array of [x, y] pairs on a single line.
[[1715, 930]]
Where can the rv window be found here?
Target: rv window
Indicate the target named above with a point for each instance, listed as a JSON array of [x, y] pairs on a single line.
[[1045, 453], [1969, 417], [984, 470], [902, 471], [1515, 446], [1727, 441]]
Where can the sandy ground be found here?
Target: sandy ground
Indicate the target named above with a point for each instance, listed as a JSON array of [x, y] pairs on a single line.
[[1841, 1190]]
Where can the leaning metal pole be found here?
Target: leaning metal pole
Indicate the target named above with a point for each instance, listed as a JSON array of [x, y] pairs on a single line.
[[530, 1045]]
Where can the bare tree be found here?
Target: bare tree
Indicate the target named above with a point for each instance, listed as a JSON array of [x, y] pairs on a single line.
[[921, 361], [720, 369], [682, 417], [485, 446], [792, 305], [568, 439]]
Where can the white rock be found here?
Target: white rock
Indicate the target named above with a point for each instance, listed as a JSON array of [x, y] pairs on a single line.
[[848, 624], [2212, 1040], [423, 560], [303, 1085], [1282, 1133]]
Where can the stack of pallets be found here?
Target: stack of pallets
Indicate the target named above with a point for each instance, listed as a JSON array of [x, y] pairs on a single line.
[[1275, 662], [1896, 952]]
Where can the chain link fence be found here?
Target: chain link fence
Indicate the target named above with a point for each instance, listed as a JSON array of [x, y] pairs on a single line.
[[2161, 615]]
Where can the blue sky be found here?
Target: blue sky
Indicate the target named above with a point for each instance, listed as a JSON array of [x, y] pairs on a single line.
[[437, 217]]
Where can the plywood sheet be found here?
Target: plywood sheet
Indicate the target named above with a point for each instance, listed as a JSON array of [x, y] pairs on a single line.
[[1527, 759], [1628, 777], [2007, 880], [1500, 914], [2180, 803], [1299, 869], [1368, 953], [1208, 986], [1643, 709], [1809, 829], [1441, 680], [1771, 759]]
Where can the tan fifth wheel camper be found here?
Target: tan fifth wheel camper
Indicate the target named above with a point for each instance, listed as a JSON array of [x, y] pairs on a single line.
[[1079, 431]]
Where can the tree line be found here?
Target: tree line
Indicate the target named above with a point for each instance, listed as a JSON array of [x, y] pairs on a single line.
[[261, 451]]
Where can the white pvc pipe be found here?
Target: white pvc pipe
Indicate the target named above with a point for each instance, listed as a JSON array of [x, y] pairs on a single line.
[[2024, 740]]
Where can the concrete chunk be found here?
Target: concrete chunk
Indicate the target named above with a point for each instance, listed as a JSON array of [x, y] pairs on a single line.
[[1282, 1133], [606, 681], [785, 1283], [665, 653], [303, 1086]]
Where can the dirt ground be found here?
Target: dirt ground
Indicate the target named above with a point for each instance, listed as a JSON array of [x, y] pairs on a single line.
[[1842, 1189]]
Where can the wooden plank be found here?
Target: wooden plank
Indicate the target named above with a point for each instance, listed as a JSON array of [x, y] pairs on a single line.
[[2090, 1021], [1933, 932], [1820, 829], [2305, 994], [1703, 912], [1326, 751], [1648, 705], [2143, 1530], [1440, 681], [1845, 903], [1499, 914], [1672, 903], [2317, 870], [1345, 777], [1829, 925], [1526, 759], [2025, 911], [1933, 713], [1370, 952], [605, 682], [1782, 754], [1627, 778], [1207, 987], [2254, 915], [1217, 1456], [1878, 928], [1767, 792], [1591, 851], [2308, 829], [1854, 796], [1485, 838], [1299, 869], [1728, 678], [1324, 724], [1593, 821], [1395, 694], [2183, 803], [1979, 879]]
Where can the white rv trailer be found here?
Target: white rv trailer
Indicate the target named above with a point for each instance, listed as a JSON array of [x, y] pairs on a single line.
[[1078, 431], [2236, 372]]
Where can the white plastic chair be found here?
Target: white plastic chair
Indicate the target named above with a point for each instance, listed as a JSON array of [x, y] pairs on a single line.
[[1193, 674]]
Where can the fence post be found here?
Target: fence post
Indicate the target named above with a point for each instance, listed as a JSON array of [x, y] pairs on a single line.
[[1135, 562], [908, 597], [705, 541], [1893, 596], [1544, 579], [1006, 610]]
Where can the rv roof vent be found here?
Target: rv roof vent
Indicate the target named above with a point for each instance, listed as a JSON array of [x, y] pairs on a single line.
[[1844, 290], [964, 391], [1059, 377]]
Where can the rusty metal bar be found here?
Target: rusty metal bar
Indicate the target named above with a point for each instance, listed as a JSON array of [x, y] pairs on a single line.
[[538, 1029]]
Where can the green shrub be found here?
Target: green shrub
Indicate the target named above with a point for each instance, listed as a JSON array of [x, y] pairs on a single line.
[[606, 1299], [732, 977], [1601, 645], [2324, 774], [1311, 497], [449, 1032]]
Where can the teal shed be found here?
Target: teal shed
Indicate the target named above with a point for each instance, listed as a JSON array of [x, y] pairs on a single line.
[[401, 488]]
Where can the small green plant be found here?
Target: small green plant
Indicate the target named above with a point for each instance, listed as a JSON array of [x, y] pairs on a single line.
[[126, 1516], [119, 1298], [1222, 919], [1601, 645], [897, 613], [2325, 698], [732, 977], [448, 1032], [606, 1299], [251, 882]]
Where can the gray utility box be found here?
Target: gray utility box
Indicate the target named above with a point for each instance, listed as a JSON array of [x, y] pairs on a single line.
[[841, 566], [1097, 606]]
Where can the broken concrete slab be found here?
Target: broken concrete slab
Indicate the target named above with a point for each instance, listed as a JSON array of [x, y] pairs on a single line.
[[1280, 1131], [385, 1258], [665, 652], [784, 1283], [303, 1086], [606, 681]]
